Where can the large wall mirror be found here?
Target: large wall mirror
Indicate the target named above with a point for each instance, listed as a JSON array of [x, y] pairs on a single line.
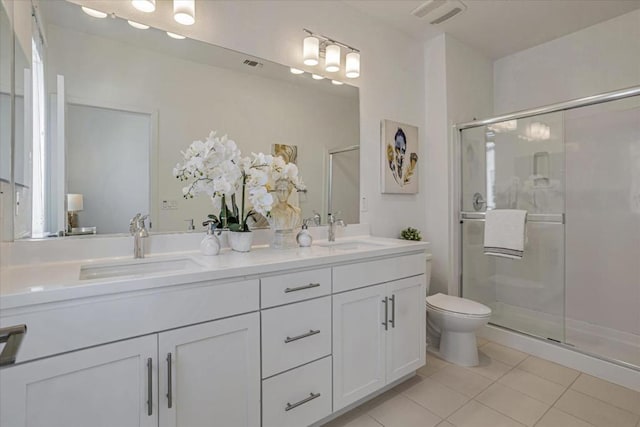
[[120, 103]]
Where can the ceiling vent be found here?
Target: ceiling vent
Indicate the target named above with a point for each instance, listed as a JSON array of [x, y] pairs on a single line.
[[439, 11], [253, 63]]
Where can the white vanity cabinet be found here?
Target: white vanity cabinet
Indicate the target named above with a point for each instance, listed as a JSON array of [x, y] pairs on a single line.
[[379, 330], [213, 374], [105, 386]]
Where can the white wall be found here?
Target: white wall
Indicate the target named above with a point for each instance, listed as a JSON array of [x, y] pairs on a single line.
[[391, 82], [458, 89], [597, 59]]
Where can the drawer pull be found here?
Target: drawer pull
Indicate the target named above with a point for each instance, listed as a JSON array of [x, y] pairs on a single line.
[[393, 311], [169, 385], [312, 396], [299, 337], [12, 336], [302, 288]]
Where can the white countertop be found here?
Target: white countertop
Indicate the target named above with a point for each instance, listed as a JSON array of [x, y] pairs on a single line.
[[25, 285]]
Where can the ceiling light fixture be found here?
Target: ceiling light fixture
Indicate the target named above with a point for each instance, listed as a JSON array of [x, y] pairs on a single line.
[[316, 46], [94, 13], [175, 36], [184, 11], [147, 6], [138, 25], [296, 71]]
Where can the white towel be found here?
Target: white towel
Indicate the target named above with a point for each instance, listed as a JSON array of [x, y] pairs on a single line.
[[504, 233]]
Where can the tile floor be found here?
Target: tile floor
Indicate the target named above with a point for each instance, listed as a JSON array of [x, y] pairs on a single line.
[[509, 388]]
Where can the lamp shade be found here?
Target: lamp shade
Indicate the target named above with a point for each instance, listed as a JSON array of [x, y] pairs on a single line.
[[352, 65], [310, 51], [184, 11], [75, 202], [332, 63], [144, 5]]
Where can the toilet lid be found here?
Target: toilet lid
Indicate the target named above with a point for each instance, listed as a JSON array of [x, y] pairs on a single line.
[[457, 305]]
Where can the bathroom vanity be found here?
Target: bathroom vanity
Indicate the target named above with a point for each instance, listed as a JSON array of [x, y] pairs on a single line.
[[271, 338]]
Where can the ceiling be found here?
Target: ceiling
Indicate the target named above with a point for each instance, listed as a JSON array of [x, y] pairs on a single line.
[[500, 27]]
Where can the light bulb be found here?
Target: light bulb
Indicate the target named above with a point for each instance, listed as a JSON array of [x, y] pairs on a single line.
[[94, 13], [353, 65], [184, 11], [138, 25], [332, 59], [296, 71], [310, 51], [144, 5], [175, 36]]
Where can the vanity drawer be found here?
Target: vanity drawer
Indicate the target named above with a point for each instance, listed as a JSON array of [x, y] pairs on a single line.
[[292, 287], [353, 276], [299, 397], [295, 334]]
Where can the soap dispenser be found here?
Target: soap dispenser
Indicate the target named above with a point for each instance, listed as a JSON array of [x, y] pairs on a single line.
[[210, 245], [304, 238]]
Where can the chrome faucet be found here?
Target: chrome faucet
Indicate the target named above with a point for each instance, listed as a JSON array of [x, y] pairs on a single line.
[[332, 222], [138, 230]]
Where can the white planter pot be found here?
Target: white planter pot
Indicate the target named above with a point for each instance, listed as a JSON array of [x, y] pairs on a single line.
[[240, 241]]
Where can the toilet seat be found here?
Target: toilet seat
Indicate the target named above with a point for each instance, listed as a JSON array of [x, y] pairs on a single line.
[[448, 304]]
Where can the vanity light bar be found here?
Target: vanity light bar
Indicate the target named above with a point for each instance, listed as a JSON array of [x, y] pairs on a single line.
[[317, 45]]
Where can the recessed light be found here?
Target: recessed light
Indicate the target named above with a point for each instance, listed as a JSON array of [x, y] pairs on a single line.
[[175, 36], [144, 5], [296, 71], [317, 77], [336, 82], [94, 13], [138, 25]]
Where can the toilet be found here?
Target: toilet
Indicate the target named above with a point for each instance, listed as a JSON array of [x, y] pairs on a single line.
[[453, 321]]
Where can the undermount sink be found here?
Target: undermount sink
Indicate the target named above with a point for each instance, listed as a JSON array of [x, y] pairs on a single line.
[[351, 245], [136, 267]]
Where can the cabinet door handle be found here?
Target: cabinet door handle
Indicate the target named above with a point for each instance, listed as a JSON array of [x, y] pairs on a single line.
[[291, 406], [385, 301], [393, 311], [305, 335], [150, 386], [302, 288], [12, 336], [169, 395]]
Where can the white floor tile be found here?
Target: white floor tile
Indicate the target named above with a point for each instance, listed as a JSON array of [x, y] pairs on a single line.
[[533, 386], [611, 393], [401, 411], [474, 414], [549, 370], [363, 420], [434, 364], [461, 380], [445, 424], [595, 411], [557, 418], [512, 403], [503, 354], [490, 367], [439, 399]]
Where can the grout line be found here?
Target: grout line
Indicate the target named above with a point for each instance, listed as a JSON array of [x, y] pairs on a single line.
[[495, 410]]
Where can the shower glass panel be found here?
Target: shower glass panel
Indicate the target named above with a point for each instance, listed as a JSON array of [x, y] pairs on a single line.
[[603, 229], [516, 164]]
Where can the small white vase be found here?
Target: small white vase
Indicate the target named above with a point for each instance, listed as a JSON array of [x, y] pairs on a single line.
[[240, 241]]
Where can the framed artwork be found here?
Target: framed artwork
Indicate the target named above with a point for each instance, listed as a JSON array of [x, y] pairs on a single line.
[[399, 142], [288, 152]]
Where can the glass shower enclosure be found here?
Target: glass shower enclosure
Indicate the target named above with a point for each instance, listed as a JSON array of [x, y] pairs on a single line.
[[575, 168]]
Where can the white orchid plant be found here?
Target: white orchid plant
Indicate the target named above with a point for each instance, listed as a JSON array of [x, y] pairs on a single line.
[[216, 168]]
